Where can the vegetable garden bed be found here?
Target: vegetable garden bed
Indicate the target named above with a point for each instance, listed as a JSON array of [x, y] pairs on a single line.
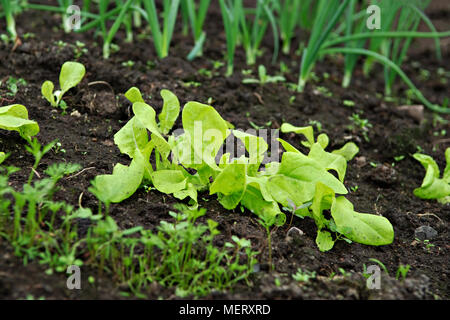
[[380, 179]]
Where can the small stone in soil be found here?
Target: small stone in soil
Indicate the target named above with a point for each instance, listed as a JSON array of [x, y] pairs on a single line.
[[425, 233]]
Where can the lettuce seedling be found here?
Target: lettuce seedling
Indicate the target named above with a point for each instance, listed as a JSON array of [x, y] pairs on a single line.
[[264, 78], [15, 117], [299, 181], [71, 74], [432, 186]]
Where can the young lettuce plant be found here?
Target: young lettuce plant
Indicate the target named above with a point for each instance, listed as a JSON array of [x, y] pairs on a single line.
[[432, 186], [15, 117], [71, 74], [299, 179]]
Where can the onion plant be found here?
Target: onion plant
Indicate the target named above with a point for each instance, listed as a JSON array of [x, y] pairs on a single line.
[[230, 16], [108, 36], [352, 26], [253, 30], [328, 14], [196, 15], [288, 18], [8, 10], [239, 27], [162, 37]]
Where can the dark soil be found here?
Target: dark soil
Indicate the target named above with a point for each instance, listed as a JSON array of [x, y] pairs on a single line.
[[87, 138]]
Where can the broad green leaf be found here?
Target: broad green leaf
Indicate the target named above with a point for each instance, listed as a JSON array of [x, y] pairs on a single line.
[[170, 111], [71, 74], [2, 157], [47, 91], [271, 168], [297, 178], [255, 146], [146, 115], [169, 181], [324, 240], [287, 146], [189, 191], [323, 199], [230, 184], [328, 160], [323, 140], [261, 183], [131, 137], [134, 95], [361, 227], [348, 151], [426, 162], [432, 186], [267, 211], [283, 188], [205, 130], [121, 184], [15, 117], [308, 132]]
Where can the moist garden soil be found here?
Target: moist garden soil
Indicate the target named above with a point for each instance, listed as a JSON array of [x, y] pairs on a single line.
[[86, 135]]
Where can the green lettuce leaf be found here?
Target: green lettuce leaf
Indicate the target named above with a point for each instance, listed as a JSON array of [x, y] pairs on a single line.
[[170, 111], [297, 177], [308, 132], [230, 184], [15, 118], [324, 240], [348, 151], [121, 184], [363, 228], [432, 186], [205, 132]]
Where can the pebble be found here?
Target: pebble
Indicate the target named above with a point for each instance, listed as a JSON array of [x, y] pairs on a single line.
[[425, 233]]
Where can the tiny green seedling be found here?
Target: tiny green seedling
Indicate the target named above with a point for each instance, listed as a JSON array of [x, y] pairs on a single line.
[[359, 123], [304, 276], [128, 64], [79, 49], [348, 103], [13, 85], [381, 264], [323, 91], [71, 74], [264, 78], [402, 272], [344, 272]]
